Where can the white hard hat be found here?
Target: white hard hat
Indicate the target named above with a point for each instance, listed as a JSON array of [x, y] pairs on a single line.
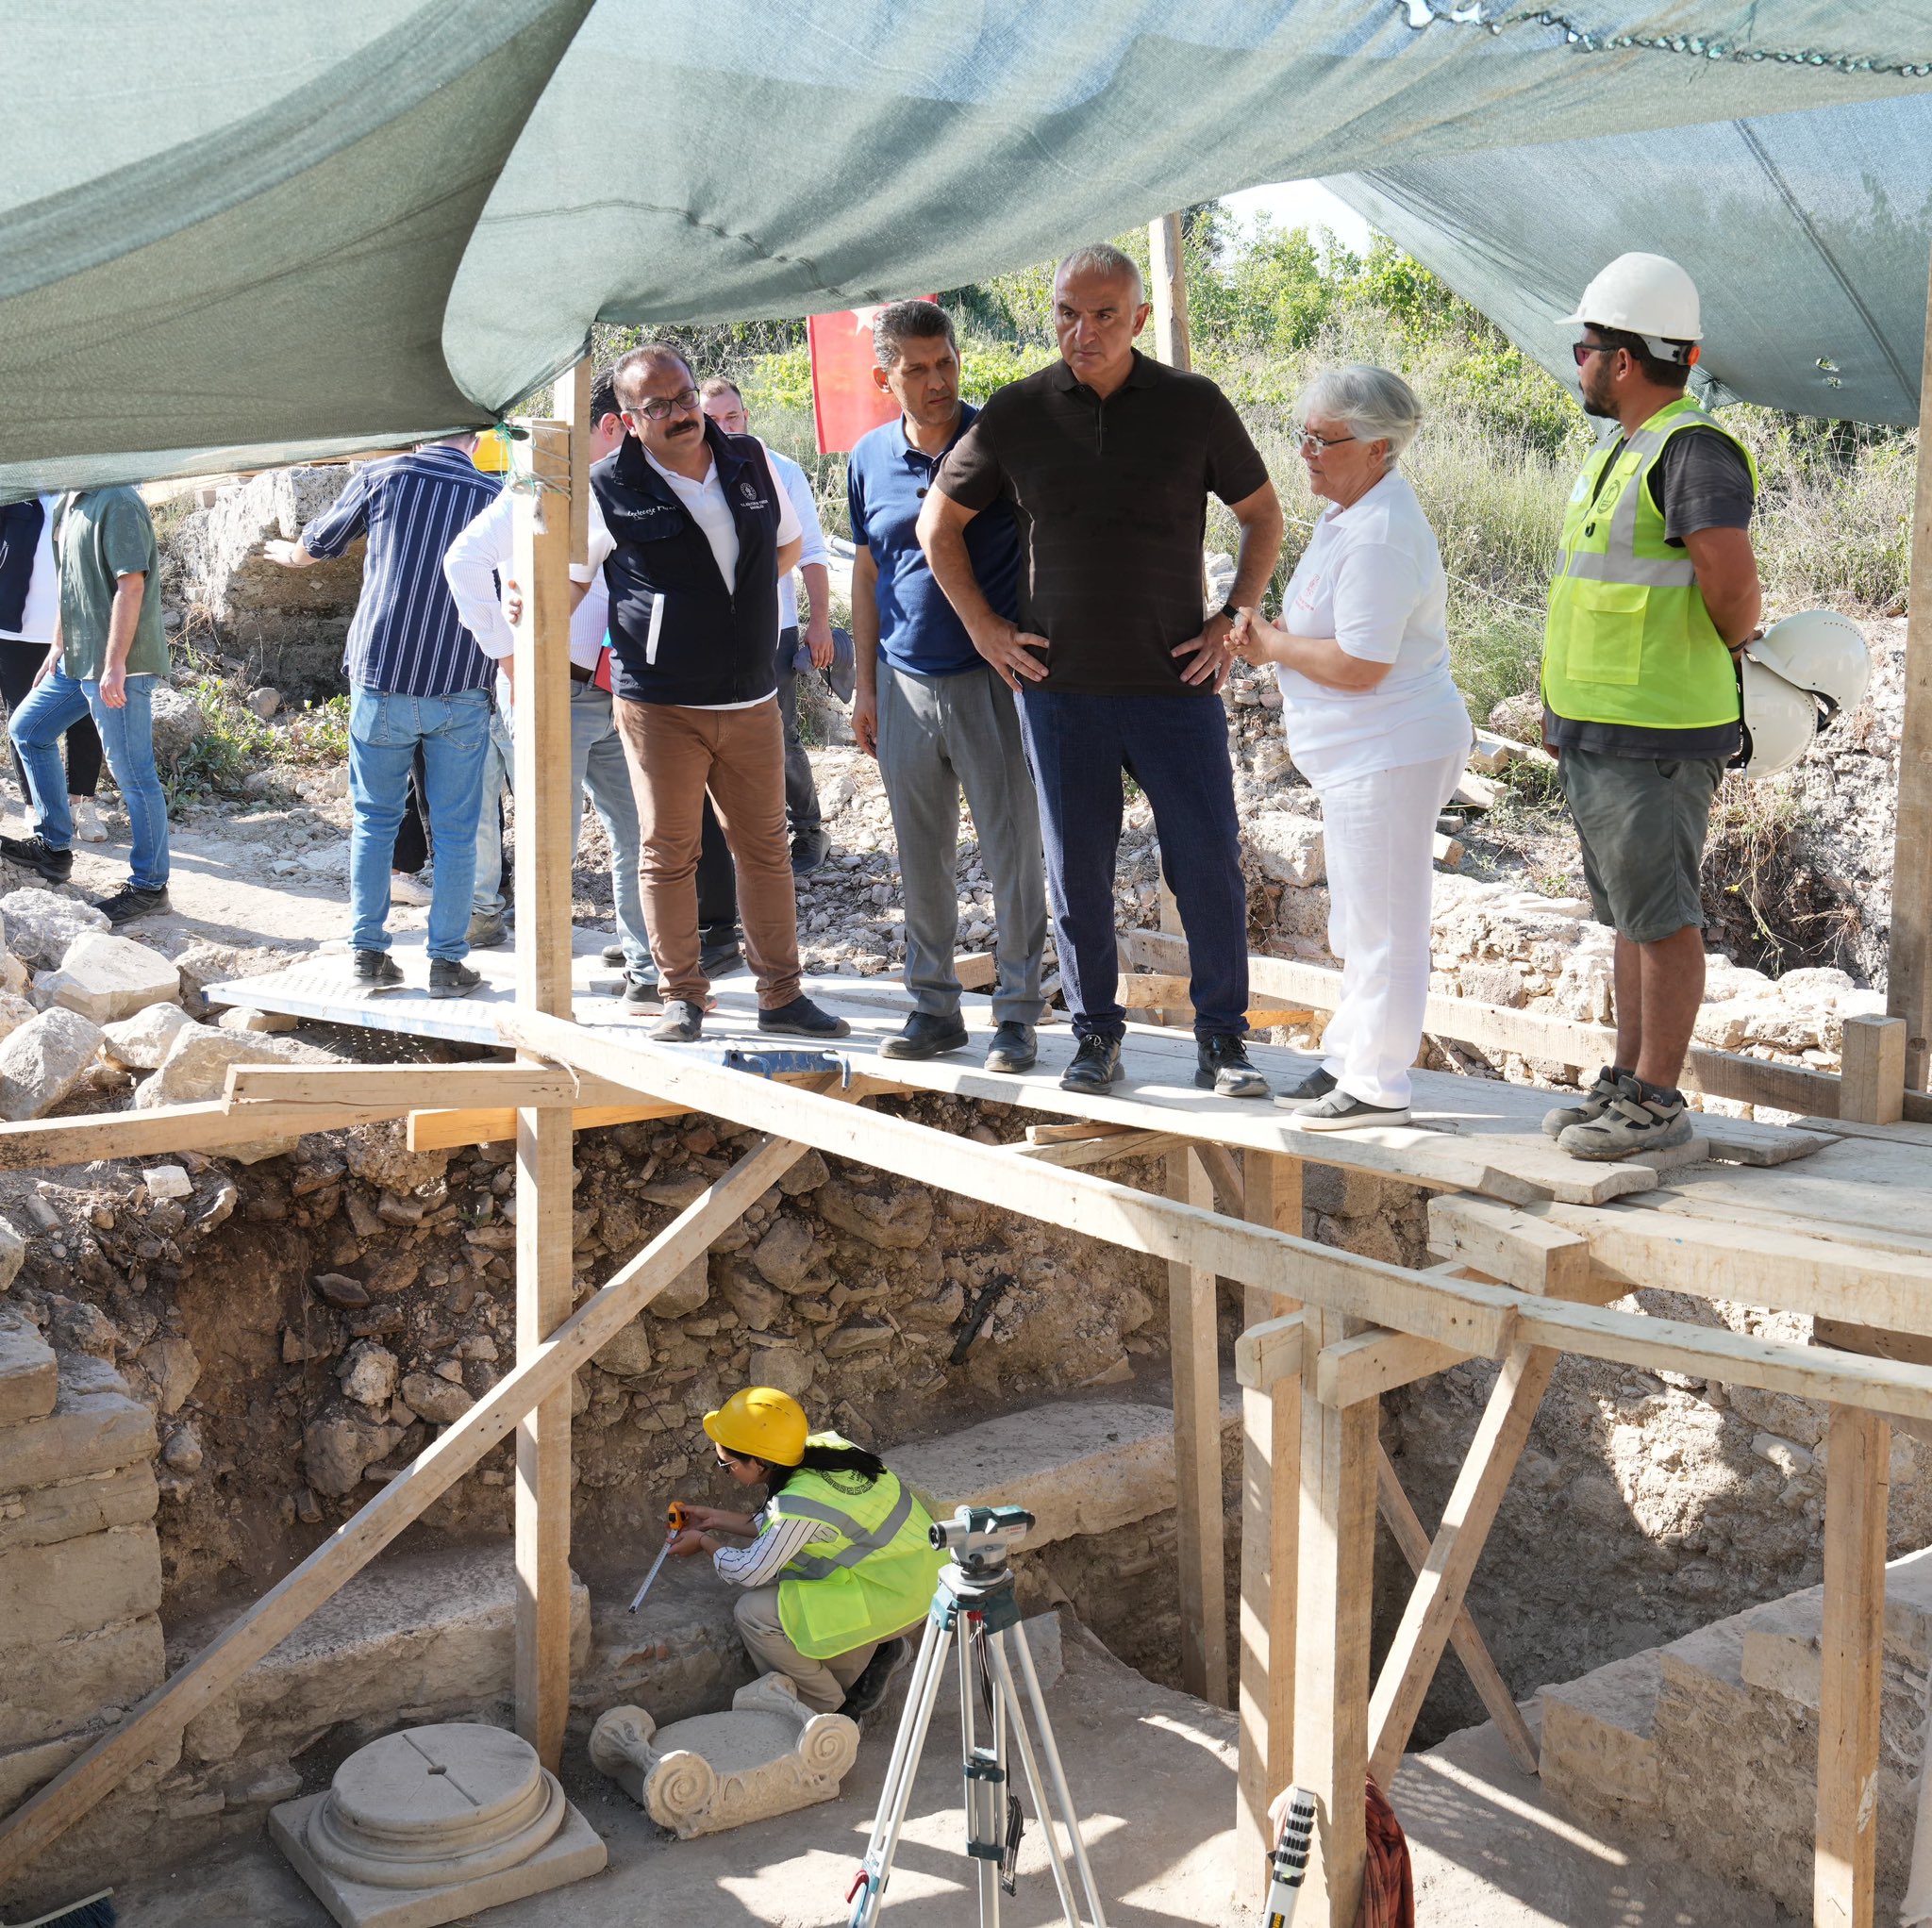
[[1794, 679], [1822, 652], [1780, 720], [1642, 295]]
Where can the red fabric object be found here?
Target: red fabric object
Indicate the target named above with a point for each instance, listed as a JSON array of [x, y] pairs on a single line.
[[1389, 1885], [846, 402]]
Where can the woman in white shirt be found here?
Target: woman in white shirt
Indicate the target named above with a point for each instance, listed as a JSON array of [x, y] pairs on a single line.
[[1376, 724]]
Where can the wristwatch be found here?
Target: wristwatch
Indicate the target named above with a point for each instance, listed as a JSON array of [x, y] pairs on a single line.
[[1230, 610]]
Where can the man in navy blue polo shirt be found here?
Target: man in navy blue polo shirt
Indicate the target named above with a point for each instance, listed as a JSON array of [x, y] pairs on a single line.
[[932, 709], [416, 678]]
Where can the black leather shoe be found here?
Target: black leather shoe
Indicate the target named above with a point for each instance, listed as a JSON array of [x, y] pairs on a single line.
[[718, 953], [810, 850], [1222, 1067], [925, 1036], [1096, 1066], [801, 1017], [1013, 1048], [57, 866]]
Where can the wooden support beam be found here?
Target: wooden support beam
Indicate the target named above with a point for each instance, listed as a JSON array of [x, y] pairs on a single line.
[[1167, 288], [1145, 990], [1909, 972], [408, 1087], [1533, 1253], [1374, 1362], [572, 402], [1196, 1374], [1335, 1595], [1225, 1174], [1071, 1154], [436, 1131], [1075, 1130], [1476, 1317], [202, 1127], [545, 1141], [1852, 1653], [158, 1721], [1871, 1088], [1270, 1504], [1485, 1676], [1416, 1651], [1472, 1316]]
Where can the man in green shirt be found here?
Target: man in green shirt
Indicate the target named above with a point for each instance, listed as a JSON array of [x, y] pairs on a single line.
[[109, 652]]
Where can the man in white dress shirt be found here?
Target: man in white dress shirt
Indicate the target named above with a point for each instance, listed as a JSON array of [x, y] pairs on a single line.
[[478, 561]]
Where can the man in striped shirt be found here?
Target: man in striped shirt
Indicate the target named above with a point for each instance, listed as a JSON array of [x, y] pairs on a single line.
[[416, 678]]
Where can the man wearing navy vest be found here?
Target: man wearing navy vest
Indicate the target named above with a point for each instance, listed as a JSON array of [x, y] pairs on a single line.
[[692, 532], [1655, 587]]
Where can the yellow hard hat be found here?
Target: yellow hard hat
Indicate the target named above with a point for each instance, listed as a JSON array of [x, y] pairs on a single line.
[[760, 1422], [492, 451]]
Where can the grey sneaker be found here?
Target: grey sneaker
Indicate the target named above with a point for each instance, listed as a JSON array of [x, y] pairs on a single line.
[[640, 992], [1591, 1106], [1306, 1088], [681, 1023], [1337, 1111], [377, 971], [1631, 1122], [488, 929], [450, 977]]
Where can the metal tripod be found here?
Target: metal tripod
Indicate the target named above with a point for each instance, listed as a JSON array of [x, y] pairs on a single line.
[[976, 1585]]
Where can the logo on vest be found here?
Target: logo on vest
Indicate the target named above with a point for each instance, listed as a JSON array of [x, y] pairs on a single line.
[[751, 496]]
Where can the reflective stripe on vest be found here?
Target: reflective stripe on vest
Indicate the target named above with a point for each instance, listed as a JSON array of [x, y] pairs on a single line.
[[815, 1566], [1628, 638]]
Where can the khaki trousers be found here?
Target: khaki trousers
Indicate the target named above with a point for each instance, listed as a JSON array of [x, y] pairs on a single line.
[[675, 756], [822, 1684]]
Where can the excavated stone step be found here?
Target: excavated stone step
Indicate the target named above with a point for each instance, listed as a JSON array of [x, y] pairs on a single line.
[[29, 1380], [1781, 1640]]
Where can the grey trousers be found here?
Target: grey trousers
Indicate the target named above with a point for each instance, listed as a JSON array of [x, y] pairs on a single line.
[[937, 736], [801, 791]]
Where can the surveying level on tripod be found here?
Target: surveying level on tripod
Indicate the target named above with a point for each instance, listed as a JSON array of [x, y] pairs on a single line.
[[973, 1602]]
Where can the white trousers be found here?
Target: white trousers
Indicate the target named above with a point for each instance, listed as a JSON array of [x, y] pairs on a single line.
[[1379, 837]]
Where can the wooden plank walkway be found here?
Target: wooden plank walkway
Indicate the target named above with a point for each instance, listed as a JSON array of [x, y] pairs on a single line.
[[1473, 1134]]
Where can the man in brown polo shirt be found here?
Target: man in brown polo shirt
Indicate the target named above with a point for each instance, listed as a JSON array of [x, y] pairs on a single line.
[[1107, 460]]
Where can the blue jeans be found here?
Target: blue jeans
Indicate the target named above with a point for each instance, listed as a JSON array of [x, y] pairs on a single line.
[[384, 731], [499, 767], [1176, 748], [58, 702]]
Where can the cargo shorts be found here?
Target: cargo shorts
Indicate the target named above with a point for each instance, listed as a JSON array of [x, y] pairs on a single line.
[[1641, 822]]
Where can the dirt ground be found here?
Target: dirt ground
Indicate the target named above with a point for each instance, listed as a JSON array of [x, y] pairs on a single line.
[[1489, 1851]]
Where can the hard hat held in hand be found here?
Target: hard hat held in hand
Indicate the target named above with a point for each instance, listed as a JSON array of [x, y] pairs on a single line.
[[1642, 295], [760, 1422], [1795, 678]]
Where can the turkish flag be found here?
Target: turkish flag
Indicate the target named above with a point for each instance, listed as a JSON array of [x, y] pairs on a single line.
[[846, 402]]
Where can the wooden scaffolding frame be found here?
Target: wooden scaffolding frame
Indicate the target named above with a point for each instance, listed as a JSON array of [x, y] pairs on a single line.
[[1327, 1333]]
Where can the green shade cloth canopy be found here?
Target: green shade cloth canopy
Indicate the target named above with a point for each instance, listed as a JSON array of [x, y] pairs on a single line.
[[243, 234]]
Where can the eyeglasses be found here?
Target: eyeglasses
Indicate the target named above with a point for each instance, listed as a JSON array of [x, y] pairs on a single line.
[[1582, 351], [1310, 441], [660, 406]]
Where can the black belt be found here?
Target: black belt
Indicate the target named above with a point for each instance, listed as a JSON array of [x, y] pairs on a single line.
[[579, 674]]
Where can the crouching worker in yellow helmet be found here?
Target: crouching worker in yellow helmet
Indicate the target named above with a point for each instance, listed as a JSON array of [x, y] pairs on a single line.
[[841, 1570]]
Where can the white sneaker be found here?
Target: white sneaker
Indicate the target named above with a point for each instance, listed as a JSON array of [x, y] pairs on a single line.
[[87, 820], [405, 889]]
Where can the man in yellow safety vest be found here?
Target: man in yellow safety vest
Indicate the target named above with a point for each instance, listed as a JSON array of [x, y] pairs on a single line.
[[1655, 587], [842, 1566]]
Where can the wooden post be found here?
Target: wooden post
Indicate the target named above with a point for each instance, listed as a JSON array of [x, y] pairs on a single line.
[[1168, 291], [545, 1139], [1192, 1349], [1430, 1617], [1871, 1083], [1857, 1482], [1909, 972], [1335, 1570], [572, 403], [1270, 1504]]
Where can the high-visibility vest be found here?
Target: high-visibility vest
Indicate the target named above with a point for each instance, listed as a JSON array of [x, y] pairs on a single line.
[[1628, 638], [872, 1576]]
